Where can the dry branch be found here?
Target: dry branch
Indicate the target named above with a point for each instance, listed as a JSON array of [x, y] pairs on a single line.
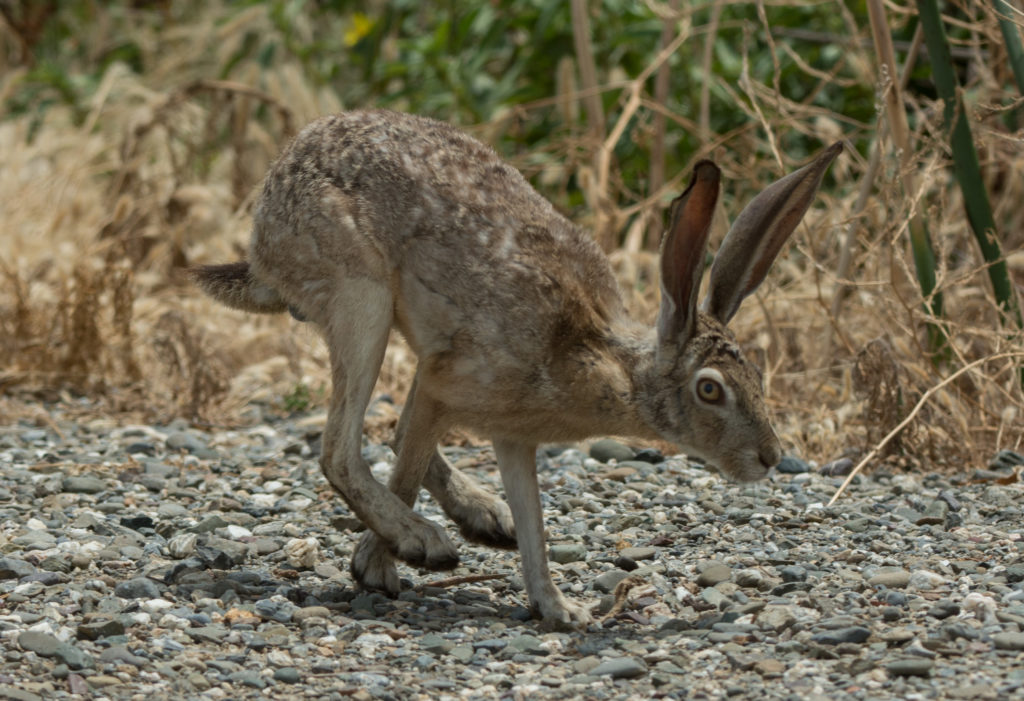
[[913, 413]]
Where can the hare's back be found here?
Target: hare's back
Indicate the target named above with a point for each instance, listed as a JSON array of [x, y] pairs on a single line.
[[402, 175], [461, 235]]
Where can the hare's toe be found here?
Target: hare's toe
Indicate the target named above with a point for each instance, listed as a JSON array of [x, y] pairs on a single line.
[[487, 520], [557, 613], [374, 567], [424, 544]]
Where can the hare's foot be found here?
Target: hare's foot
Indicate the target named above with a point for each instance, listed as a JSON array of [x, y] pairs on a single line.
[[484, 518], [422, 543], [374, 567], [558, 613], [481, 516]]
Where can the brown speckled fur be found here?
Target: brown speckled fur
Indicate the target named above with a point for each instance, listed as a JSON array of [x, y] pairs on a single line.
[[373, 220]]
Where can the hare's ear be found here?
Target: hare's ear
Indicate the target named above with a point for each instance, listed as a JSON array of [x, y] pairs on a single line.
[[682, 254], [757, 235]]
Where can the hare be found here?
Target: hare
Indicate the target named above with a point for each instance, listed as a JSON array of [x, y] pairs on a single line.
[[377, 220]]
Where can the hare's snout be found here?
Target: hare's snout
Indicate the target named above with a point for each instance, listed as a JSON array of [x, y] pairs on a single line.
[[770, 455]]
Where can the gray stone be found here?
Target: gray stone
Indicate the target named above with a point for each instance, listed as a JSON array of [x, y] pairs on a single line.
[[790, 465], [100, 628], [750, 578], [83, 484], [248, 677], [714, 573], [15, 694], [857, 525], [35, 540], [435, 644], [851, 634], [182, 440], [46, 645], [288, 675], [13, 568], [639, 553], [463, 653], [910, 667], [793, 573], [528, 644], [1008, 641], [138, 588], [567, 552], [891, 577], [607, 581], [620, 668], [608, 449]]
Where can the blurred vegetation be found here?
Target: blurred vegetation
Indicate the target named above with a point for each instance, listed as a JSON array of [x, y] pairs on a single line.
[[136, 132]]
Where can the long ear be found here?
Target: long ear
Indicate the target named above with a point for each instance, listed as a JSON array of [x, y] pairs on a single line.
[[757, 235], [682, 254]]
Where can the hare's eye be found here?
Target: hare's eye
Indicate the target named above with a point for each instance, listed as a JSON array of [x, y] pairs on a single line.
[[709, 390]]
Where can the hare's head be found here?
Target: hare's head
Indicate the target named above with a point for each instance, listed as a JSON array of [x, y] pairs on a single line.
[[704, 395]]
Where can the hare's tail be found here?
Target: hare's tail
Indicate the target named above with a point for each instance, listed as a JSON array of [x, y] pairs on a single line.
[[233, 284]]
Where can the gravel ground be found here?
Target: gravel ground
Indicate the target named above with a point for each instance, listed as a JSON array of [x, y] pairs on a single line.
[[168, 562]]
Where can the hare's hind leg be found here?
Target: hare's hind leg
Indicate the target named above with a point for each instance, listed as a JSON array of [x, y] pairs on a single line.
[[482, 517], [419, 428], [357, 334]]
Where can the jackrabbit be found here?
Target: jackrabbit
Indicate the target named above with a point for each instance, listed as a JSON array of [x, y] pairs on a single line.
[[373, 220]]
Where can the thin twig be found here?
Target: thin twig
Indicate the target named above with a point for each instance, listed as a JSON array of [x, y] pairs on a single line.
[[910, 417], [461, 579], [622, 590]]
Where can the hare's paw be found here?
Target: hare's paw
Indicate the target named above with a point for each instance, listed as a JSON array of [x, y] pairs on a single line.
[[560, 614], [484, 518], [374, 567], [424, 544]]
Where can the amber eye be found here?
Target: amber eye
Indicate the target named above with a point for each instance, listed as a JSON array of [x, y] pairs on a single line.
[[709, 390]]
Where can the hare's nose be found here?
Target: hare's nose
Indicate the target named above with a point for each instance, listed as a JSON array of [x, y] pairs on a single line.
[[770, 456]]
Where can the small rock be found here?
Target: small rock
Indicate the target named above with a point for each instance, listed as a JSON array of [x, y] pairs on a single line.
[[620, 668], [529, 645], [1006, 460], [311, 612], [639, 553], [607, 450], [13, 568], [714, 573], [910, 667], [851, 634], [100, 628], [567, 552], [463, 653], [137, 588], [1008, 641], [793, 573], [435, 644], [944, 608], [790, 465], [924, 580], [750, 578], [891, 577], [83, 484], [287, 675], [607, 581]]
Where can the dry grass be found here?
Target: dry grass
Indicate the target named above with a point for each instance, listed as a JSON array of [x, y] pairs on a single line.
[[100, 217]]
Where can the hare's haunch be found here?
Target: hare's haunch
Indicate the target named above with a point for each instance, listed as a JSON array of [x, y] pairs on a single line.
[[376, 220]]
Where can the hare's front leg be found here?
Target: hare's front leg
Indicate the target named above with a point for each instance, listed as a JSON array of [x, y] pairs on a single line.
[[518, 465], [357, 334]]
